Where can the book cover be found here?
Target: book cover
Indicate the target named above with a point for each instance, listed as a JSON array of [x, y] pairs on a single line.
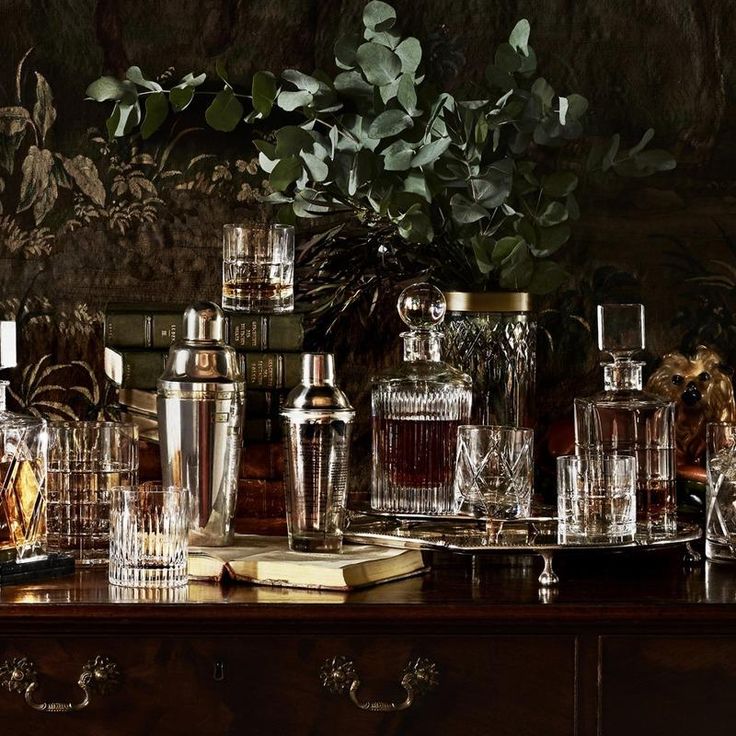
[[271, 370], [268, 561], [258, 332], [134, 368]]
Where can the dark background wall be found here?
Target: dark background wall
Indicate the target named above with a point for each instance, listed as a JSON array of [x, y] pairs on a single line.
[[151, 229]]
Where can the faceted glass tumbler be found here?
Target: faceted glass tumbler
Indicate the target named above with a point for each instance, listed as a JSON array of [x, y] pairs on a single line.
[[258, 268], [494, 470], [86, 460], [720, 509], [596, 499], [149, 528]]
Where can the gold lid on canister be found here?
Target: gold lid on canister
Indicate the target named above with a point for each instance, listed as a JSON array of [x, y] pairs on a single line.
[[488, 301]]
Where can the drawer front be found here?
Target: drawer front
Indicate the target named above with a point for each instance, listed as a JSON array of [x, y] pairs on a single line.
[[495, 685], [669, 685], [486, 686]]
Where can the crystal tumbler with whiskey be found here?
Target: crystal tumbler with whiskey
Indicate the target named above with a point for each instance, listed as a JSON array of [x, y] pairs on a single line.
[[417, 409], [258, 268], [625, 420]]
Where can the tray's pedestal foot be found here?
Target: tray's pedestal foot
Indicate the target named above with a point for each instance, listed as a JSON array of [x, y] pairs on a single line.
[[548, 578]]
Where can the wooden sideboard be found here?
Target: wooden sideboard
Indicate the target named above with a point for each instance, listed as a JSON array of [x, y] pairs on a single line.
[[627, 645]]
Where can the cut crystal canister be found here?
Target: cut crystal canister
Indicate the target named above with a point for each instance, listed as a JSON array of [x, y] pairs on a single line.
[[200, 402], [317, 419]]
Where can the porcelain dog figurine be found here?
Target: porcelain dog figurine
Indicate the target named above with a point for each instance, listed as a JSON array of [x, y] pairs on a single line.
[[702, 389]]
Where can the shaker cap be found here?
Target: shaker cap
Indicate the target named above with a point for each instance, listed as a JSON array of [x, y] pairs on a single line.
[[317, 391], [204, 322]]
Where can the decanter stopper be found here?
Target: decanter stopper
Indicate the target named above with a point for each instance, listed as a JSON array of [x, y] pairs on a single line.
[[422, 306], [621, 330], [8, 357]]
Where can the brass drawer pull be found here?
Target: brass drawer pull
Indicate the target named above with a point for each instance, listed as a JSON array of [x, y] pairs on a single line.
[[339, 675], [100, 675]]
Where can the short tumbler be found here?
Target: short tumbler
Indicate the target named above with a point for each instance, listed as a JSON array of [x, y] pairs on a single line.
[[494, 471], [596, 499], [720, 512], [149, 528], [258, 268], [86, 460]]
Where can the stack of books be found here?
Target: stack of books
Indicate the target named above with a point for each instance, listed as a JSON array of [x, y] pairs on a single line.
[[137, 340]]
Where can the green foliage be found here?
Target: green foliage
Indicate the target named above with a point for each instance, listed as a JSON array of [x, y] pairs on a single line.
[[477, 185]]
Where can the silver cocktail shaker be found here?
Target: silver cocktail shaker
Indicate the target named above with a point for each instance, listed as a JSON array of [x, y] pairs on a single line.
[[317, 420], [200, 414]]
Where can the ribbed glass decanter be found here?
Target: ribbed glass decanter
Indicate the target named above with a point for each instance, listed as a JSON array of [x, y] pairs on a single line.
[[625, 420], [417, 409]]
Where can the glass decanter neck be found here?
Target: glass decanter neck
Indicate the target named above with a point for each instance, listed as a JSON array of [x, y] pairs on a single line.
[[422, 345], [623, 375]]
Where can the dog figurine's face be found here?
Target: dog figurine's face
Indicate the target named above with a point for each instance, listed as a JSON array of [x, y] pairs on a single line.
[[701, 387]]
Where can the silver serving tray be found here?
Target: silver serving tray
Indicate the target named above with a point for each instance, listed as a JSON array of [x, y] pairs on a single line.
[[467, 535]]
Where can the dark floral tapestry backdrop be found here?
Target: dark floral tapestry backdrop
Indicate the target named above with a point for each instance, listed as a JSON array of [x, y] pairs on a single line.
[[85, 221]]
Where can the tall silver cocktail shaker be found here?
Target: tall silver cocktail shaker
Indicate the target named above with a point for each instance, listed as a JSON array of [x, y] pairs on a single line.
[[200, 403]]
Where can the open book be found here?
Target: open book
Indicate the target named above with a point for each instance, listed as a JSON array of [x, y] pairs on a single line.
[[268, 561]]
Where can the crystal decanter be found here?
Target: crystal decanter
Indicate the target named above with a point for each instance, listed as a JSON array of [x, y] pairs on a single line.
[[417, 409], [23, 456], [625, 420]]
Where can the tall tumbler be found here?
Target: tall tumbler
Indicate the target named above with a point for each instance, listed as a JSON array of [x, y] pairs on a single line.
[[720, 511], [317, 420], [86, 460], [200, 414]]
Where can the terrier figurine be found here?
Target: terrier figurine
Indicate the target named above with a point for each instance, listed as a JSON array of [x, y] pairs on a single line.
[[701, 387]]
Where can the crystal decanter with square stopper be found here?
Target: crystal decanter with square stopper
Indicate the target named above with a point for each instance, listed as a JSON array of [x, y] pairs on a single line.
[[625, 420], [23, 456], [417, 409]]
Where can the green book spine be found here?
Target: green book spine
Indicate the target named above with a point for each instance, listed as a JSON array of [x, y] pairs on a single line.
[[165, 329], [128, 329], [265, 331], [264, 404], [271, 370], [141, 369]]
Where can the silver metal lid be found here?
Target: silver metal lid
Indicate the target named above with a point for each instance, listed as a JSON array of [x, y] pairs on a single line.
[[317, 392], [201, 356], [204, 322]]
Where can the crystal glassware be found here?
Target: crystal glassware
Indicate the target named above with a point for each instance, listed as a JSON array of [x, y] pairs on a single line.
[[625, 420], [86, 460], [23, 458], [494, 471], [317, 420], [596, 499], [720, 508], [417, 409], [149, 526], [258, 268]]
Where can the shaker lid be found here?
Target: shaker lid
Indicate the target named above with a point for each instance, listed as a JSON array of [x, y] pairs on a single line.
[[317, 390], [204, 322]]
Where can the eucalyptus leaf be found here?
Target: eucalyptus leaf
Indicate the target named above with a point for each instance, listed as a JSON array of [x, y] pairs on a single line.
[[519, 36], [389, 39], [286, 172], [407, 94], [465, 212], [225, 111], [506, 58], [505, 247], [554, 213], [610, 155], [642, 144], [389, 91], [388, 123], [317, 169], [430, 152], [180, 97], [577, 106], [345, 50], [265, 147], [549, 240], [380, 65], [398, 156], [353, 85], [543, 91], [310, 203], [378, 16], [135, 75], [106, 88], [410, 53], [559, 184], [292, 140], [547, 277], [266, 163], [482, 248], [157, 109], [264, 90], [301, 81], [290, 101]]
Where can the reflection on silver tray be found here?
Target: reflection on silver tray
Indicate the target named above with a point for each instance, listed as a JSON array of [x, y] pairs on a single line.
[[523, 536]]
